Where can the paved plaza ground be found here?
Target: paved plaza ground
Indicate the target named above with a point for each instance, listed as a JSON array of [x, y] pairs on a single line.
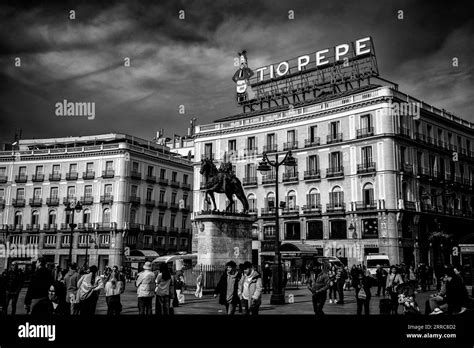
[[208, 305]]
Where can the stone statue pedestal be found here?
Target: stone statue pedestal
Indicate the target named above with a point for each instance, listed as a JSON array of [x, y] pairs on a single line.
[[222, 238]]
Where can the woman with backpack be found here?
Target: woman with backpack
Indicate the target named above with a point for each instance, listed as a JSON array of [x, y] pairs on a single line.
[[393, 280], [362, 284], [164, 290]]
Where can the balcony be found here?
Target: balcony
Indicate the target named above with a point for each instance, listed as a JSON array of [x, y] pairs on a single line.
[[185, 186], [106, 225], [312, 142], [420, 137], [108, 174], [18, 227], [406, 168], [50, 227], [150, 203], [49, 245], [290, 145], [18, 202], [69, 199], [134, 200], [163, 181], [184, 231], [87, 200], [312, 209], [64, 226], [365, 132], [404, 132], [3, 179], [208, 156], [313, 174], [250, 181], [290, 177], [174, 184], [334, 172], [162, 205], [107, 199], [250, 152], [172, 229], [135, 175], [268, 179], [269, 148], [151, 179], [428, 208], [21, 178], [409, 205], [87, 226], [267, 211], [33, 228], [149, 228], [295, 210], [174, 206], [335, 207], [366, 205], [366, 168], [253, 210], [72, 176], [55, 177], [133, 226], [37, 177], [36, 202], [161, 229], [88, 175], [334, 138]]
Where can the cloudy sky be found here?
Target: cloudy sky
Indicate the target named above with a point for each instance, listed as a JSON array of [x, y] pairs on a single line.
[[189, 62]]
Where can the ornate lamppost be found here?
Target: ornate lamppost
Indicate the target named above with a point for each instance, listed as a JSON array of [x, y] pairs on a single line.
[[265, 165], [72, 207]]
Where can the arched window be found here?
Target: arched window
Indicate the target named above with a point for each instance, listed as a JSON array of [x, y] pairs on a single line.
[[18, 218], [405, 191], [291, 200], [133, 216], [252, 202], [35, 217], [87, 216], [270, 200], [368, 194], [106, 215], [336, 197], [52, 217], [313, 199]]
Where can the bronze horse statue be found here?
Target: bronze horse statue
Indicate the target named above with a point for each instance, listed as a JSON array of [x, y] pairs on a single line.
[[222, 180]]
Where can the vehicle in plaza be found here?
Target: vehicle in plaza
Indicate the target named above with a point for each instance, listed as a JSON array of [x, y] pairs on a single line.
[[332, 260], [372, 260], [176, 262]]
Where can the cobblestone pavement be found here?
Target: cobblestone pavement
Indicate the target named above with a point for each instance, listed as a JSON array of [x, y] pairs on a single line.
[[208, 305]]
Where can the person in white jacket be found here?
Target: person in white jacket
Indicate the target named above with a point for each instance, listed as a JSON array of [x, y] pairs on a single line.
[[145, 284], [89, 287], [250, 289]]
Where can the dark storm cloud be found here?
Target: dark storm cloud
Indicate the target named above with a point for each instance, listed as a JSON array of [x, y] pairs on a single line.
[[190, 62]]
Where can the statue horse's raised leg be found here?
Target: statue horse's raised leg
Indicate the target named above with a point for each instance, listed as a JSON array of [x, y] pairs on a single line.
[[211, 193]]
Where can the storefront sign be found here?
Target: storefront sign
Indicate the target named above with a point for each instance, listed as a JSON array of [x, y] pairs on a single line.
[[467, 248]]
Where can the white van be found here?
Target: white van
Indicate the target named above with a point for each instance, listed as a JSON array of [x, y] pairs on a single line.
[[372, 260]]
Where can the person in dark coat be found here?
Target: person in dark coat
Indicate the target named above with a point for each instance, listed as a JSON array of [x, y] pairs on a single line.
[[55, 303], [13, 285], [318, 285], [267, 276], [228, 287], [3, 295], [381, 276], [362, 281], [39, 285]]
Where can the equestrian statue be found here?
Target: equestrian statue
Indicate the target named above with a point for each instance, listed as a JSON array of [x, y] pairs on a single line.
[[222, 180]]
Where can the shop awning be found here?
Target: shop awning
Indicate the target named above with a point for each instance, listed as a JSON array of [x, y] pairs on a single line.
[[142, 255], [295, 249]]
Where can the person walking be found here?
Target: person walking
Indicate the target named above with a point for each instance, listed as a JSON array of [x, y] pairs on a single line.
[[199, 285], [145, 283], [381, 277], [267, 275], [250, 289], [71, 280], [89, 287], [13, 285], [227, 288], [39, 285], [164, 290], [332, 285], [318, 285], [340, 280], [179, 286], [393, 280], [114, 287], [362, 284]]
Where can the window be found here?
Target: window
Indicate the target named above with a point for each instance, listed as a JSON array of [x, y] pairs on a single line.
[[56, 169], [174, 176], [52, 217], [162, 196], [251, 143], [172, 220], [88, 191], [252, 202], [71, 191], [184, 221], [50, 240], [104, 239], [185, 200], [271, 140], [403, 151], [73, 168], [313, 198], [65, 239], [315, 230], [313, 163], [150, 171], [334, 129], [54, 192], [35, 217], [162, 173], [37, 193], [269, 233], [109, 166], [68, 217], [2, 193], [108, 190], [291, 200], [161, 217], [86, 218], [89, 167], [148, 218], [336, 197], [149, 194], [184, 243], [22, 171], [39, 170], [338, 229], [135, 166], [173, 197], [133, 190], [208, 150], [133, 216], [313, 131], [292, 231], [370, 228], [335, 160], [172, 241], [291, 136], [250, 171], [366, 122], [432, 164], [32, 240], [20, 193], [18, 218], [366, 155], [161, 241], [106, 216], [185, 178], [3, 171], [16, 240], [270, 200], [232, 145], [84, 239], [147, 240], [368, 194]]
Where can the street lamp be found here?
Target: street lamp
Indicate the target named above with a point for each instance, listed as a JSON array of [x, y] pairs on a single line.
[[89, 241], [264, 166], [71, 207]]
